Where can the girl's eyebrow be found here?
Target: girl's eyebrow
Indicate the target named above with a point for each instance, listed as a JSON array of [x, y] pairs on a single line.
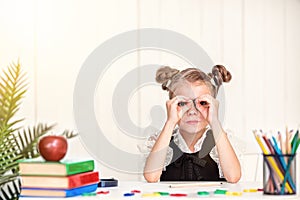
[[187, 98], [181, 96], [184, 97]]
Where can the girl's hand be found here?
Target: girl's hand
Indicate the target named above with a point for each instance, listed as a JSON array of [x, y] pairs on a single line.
[[173, 111], [210, 109]]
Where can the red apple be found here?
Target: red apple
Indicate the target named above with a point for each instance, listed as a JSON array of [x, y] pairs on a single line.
[[52, 147]]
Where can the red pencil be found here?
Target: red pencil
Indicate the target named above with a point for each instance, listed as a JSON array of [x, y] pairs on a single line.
[[269, 145]]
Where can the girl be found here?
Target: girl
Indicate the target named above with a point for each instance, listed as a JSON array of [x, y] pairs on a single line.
[[192, 145]]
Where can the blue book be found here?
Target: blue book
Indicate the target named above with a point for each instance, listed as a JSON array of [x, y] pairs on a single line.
[[44, 192]]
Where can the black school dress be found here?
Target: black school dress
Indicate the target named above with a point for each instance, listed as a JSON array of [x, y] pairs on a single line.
[[198, 166]]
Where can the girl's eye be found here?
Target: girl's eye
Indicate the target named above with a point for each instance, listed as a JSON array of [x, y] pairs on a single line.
[[182, 103], [203, 103]]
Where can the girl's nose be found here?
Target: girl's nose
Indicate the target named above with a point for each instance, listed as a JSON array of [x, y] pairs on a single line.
[[192, 111]]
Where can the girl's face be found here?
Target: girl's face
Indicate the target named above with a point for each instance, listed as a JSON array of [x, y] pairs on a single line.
[[194, 111]]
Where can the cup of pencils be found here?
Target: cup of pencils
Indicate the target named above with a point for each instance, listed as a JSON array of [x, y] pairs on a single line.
[[279, 161]]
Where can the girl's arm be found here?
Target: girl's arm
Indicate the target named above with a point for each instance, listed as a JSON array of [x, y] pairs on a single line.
[[156, 159], [229, 162]]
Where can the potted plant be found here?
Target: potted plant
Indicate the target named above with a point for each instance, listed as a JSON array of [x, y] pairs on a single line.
[[16, 142]]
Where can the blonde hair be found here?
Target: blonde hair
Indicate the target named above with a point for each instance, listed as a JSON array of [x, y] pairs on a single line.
[[170, 77]]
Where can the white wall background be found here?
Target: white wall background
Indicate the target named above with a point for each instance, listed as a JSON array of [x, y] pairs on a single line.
[[258, 41]]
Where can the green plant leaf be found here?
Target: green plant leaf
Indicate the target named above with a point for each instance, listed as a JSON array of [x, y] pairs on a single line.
[[9, 154], [69, 134], [12, 90]]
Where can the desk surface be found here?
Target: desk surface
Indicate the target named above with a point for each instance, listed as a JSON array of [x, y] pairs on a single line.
[[146, 188]]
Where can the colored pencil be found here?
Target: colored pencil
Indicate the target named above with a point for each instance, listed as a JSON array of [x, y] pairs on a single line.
[[287, 173], [281, 163], [295, 138], [287, 141], [277, 163], [282, 146], [272, 162]]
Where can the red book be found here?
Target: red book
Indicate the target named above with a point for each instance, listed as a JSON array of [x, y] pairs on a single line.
[[59, 182]]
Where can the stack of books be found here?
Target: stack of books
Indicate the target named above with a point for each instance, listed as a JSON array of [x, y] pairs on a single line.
[[66, 178]]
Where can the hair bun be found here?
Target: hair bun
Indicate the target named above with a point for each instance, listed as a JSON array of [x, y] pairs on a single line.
[[225, 75], [165, 73]]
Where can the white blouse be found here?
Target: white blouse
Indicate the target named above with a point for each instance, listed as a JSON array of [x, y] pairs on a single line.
[[180, 142]]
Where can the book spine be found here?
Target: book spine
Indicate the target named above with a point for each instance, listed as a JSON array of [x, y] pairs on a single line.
[[50, 192], [76, 168], [83, 179], [81, 190]]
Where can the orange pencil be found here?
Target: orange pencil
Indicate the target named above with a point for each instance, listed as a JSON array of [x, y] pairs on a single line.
[[287, 141], [282, 145]]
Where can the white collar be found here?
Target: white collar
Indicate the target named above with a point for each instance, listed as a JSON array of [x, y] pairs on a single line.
[[180, 142]]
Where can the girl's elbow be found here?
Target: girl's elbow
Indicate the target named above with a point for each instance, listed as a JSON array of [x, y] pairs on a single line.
[[234, 178], [151, 178]]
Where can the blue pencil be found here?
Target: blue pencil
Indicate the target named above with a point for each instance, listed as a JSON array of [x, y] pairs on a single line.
[[295, 144], [283, 164]]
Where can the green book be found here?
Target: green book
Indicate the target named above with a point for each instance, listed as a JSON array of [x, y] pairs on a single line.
[[40, 167]]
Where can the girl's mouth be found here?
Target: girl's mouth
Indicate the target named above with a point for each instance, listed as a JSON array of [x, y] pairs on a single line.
[[192, 122]]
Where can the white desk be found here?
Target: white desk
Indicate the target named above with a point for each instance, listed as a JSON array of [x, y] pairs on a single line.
[[126, 187]]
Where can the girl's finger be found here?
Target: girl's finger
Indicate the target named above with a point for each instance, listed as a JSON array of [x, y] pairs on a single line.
[[203, 115], [207, 98]]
